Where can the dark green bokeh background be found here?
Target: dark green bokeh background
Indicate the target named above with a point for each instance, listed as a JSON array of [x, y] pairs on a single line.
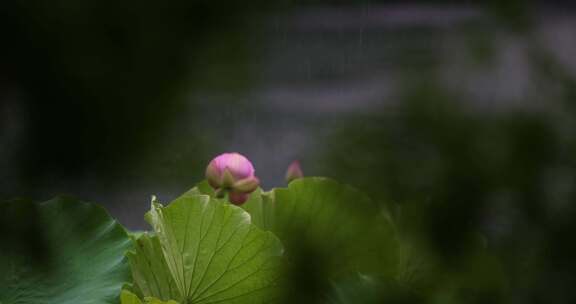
[[416, 103]]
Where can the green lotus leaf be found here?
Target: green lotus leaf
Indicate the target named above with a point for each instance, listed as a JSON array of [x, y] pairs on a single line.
[[67, 252], [149, 269], [128, 297], [344, 228], [260, 206], [338, 224], [211, 252]]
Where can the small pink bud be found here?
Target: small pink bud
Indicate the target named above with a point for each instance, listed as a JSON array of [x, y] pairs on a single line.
[[294, 171], [237, 198], [232, 173]]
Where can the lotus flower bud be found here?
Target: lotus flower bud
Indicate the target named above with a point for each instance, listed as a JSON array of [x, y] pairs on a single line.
[[232, 173], [294, 171]]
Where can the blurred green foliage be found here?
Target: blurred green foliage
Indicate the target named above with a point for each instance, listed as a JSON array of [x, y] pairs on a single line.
[[484, 199]]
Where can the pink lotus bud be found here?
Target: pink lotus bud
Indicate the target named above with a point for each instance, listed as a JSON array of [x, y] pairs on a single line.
[[294, 171], [237, 198], [238, 167], [232, 173]]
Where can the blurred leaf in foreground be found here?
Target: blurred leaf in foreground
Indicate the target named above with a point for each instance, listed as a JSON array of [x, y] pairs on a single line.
[[83, 249]]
